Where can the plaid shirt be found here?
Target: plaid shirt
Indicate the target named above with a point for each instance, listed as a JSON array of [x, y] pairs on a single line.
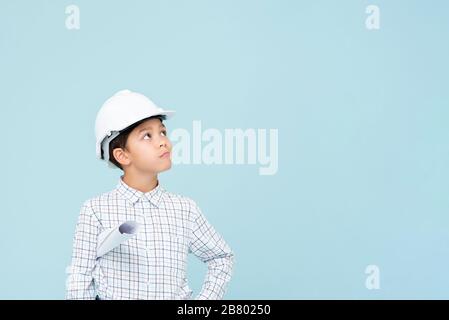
[[152, 264]]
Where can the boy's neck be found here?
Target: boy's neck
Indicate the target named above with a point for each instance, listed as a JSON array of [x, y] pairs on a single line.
[[143, 183]]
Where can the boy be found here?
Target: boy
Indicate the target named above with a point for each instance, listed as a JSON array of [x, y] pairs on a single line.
[[152, 264]]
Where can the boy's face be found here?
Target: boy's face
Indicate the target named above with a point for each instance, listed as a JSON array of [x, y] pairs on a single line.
[[148, 147]]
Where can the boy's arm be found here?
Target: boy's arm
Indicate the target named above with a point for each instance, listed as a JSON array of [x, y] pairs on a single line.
[[209, 246], [80, 281]]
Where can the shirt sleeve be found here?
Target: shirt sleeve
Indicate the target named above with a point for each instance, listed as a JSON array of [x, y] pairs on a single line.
[[209, 246], [80, 284]]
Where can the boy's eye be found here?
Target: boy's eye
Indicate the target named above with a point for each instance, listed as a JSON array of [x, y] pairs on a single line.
[[163, 132]]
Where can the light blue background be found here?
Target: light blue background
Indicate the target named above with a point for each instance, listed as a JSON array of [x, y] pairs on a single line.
[[363, 131]]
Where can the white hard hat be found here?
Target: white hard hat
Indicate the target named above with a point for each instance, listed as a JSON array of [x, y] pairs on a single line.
[[119, 112]]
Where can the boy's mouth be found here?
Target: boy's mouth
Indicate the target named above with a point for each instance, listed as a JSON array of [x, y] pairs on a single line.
[[165, 155]]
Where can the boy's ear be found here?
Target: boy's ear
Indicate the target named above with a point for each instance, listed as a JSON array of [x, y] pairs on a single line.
[[121, 156]]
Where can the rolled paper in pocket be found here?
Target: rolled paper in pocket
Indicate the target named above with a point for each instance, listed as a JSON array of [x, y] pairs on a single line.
[[113, 237]]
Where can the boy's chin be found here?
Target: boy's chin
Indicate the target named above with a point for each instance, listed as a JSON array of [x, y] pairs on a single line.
[[164, 168], [154, 167]]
